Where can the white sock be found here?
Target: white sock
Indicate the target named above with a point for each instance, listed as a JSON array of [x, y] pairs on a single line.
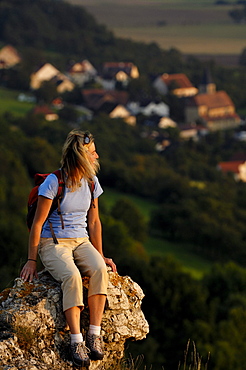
[[76, 338], [93, 329]]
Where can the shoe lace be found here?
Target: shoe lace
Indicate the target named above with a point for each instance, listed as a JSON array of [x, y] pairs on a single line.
[[95, 342], [81, 349]]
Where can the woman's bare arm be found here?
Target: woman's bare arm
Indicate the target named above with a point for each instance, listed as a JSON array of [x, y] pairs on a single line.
[[29, 270], [95, 232]]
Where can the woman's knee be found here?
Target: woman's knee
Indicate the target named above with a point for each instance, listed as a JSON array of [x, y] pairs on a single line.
[[72, 278], [100, 276], [100, 269]]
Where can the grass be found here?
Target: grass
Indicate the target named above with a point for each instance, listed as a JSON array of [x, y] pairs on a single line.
[[191, 262], [192, 359], [146, 207], [9, 103]]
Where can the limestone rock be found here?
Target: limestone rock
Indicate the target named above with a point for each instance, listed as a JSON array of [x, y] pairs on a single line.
[[33, 330]]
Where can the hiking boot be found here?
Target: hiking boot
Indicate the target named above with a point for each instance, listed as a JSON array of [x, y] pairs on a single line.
[[79, 353], [95, 345]]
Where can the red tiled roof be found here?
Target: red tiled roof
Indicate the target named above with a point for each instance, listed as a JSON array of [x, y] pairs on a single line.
[[225, 117], [110, 69], [217, 99], [231, 166], [94, 98], [119, 65], [88, 92], [180, 79], [192, 127], [42, 109]]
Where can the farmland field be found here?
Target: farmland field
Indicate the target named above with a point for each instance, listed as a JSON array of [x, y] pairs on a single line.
[[193, 27]]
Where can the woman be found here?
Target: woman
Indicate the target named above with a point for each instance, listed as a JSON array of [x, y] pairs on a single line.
[[78, 252]]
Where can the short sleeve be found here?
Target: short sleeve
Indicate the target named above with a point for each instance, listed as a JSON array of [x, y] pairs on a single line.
[[98, 189], [49, 187]]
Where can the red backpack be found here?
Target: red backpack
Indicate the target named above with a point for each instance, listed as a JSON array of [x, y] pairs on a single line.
[[33, 199]]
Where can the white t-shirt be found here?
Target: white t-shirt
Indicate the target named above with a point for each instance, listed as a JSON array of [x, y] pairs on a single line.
[[74, 208]]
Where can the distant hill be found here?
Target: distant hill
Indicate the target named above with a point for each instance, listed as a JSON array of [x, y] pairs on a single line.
[[193, 27], [55, 26], [52, 25]]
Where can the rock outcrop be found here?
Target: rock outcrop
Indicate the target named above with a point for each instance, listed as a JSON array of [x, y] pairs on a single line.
[[33, 330]]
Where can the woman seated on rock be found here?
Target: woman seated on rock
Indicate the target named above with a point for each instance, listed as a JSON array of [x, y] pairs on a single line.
[[77, 252]]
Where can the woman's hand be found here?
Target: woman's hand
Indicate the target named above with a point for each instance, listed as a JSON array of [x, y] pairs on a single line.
[[29, 271], [110, 263]]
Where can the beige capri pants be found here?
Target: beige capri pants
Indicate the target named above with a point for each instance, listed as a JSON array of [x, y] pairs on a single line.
[[68, 261]]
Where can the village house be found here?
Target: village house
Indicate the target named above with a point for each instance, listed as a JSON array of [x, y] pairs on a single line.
[[149, 108], [45, 111], [177, 84], [47, 73], [9, 57], [214, 109], [157, 121], [114, 105], [57, 103], [166, 122], [82, 72], [117, 72], [156, 112], [162, 145], [94, 99], [119, 111], [112, 102], [237, 168], [194, 132]]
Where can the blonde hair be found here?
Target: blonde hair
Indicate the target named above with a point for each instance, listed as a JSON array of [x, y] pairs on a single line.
[[74, 162]]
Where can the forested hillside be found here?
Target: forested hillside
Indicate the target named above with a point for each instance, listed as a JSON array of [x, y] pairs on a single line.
[[197, 206]]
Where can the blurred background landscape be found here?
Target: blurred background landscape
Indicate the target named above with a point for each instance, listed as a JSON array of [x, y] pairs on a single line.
[[203, 28], [174, 202]]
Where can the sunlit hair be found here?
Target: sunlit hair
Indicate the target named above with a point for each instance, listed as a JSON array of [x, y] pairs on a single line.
[[75, 162]]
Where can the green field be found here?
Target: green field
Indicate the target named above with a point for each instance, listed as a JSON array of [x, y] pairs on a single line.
[[191, 262], [9, 103], [193, 27], [110, 196]]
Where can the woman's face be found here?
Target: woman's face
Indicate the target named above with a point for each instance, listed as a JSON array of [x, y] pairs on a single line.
[[92, 154]]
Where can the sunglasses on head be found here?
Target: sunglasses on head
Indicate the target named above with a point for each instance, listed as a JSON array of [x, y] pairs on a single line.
[[87, 138]]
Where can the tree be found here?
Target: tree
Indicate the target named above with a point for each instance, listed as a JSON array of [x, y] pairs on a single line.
[[118, 244], [172, 299], [125, 211], [47, 92], [238, 14]]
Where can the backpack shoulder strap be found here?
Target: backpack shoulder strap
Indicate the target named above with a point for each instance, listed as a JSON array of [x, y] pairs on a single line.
[[60, 193], [92, 188]]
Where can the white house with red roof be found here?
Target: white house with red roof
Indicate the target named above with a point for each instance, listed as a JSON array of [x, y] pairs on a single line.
[[177, 84]]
